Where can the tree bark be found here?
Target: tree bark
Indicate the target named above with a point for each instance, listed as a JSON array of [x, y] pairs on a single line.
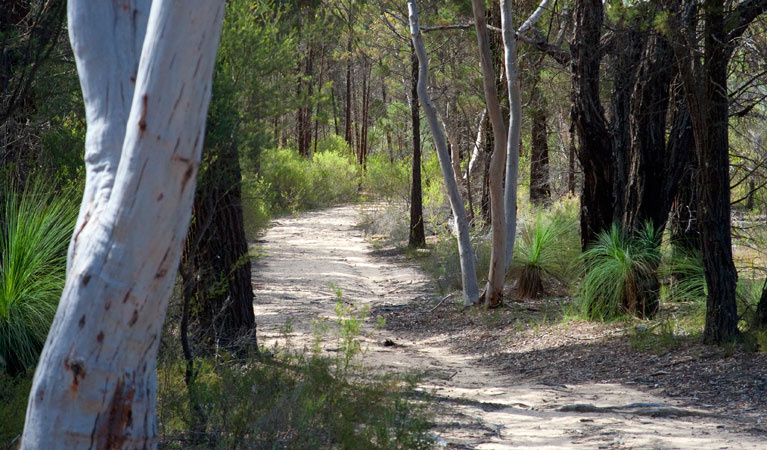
[[497, 274], [468, 273], [219, 254], [707, 100], [540, 191], [95, 384], [417, 236], [595, 151]]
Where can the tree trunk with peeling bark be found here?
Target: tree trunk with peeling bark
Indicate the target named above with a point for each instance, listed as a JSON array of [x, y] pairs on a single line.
[[468, 273], [146, 79]]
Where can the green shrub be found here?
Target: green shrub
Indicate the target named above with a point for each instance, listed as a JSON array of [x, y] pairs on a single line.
[[36, 228], [549, 246], [290, 399], [620, 274], [387, 180], [290, 182], [284, 172], [333, 179]]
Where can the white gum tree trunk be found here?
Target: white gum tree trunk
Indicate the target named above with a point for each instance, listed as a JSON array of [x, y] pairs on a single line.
[[95, 384], [468, 272], [515, 125], [497, 275], [515, 116]]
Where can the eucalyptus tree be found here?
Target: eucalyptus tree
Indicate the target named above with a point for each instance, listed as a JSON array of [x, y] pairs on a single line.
[[146, 79], [468, 273]]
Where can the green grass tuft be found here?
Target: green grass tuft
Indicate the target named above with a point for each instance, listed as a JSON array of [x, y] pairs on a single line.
[[619, 274], [36, 228], [547, 247]]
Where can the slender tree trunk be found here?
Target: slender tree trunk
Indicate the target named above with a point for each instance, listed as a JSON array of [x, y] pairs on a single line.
[[469, 276], [95, 384], [417, 235], [515, 129], [349, 83], [540, 190], [497, 275]]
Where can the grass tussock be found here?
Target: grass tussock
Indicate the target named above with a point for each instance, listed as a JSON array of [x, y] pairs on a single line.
[[547, 247], [620, 275], [36, 228]]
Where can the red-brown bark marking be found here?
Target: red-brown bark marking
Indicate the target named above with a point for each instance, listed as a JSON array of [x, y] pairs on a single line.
[[142, 119], [110, 433], [134, 318], [82, 321], [86, 280], [187, 175], [78, 371], [100, 337]]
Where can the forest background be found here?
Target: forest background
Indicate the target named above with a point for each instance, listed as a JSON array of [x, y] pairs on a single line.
[[641, 158]]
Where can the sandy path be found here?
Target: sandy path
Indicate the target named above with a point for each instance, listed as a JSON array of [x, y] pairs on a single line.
[[483, 409]]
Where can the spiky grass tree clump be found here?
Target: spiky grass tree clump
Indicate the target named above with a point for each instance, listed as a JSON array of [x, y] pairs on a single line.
[[35, 229], [546, 247], [621, 275]]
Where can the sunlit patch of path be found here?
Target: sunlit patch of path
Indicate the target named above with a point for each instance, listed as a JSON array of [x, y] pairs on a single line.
[[481, 407]]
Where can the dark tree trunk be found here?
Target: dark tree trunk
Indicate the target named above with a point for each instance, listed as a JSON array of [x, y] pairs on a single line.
[[487, 155], [711, 137], [705, 86], [417, 235], [595, 151], [540, 191], [571, 159], [366, 72], [625, 63], [216, 258], [645, 199], [348, 110]]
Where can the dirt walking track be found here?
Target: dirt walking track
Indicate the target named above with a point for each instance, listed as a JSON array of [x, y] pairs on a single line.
[[483, 408]]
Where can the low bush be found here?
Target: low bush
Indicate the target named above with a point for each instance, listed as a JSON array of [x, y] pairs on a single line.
[[290, 183], [387, 180], [37, 225], [290, 399]]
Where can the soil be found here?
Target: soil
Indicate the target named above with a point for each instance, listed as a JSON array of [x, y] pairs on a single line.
[[513, 377]]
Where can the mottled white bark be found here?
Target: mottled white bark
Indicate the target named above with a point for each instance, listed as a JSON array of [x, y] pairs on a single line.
[[497, 275], [515, 125], [106, 39], [468, 272], [95, 384]]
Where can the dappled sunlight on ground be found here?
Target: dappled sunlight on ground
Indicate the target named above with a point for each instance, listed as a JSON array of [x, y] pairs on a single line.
[[498, 378]]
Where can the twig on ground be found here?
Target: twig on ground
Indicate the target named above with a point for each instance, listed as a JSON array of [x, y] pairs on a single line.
[[442, 301]]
